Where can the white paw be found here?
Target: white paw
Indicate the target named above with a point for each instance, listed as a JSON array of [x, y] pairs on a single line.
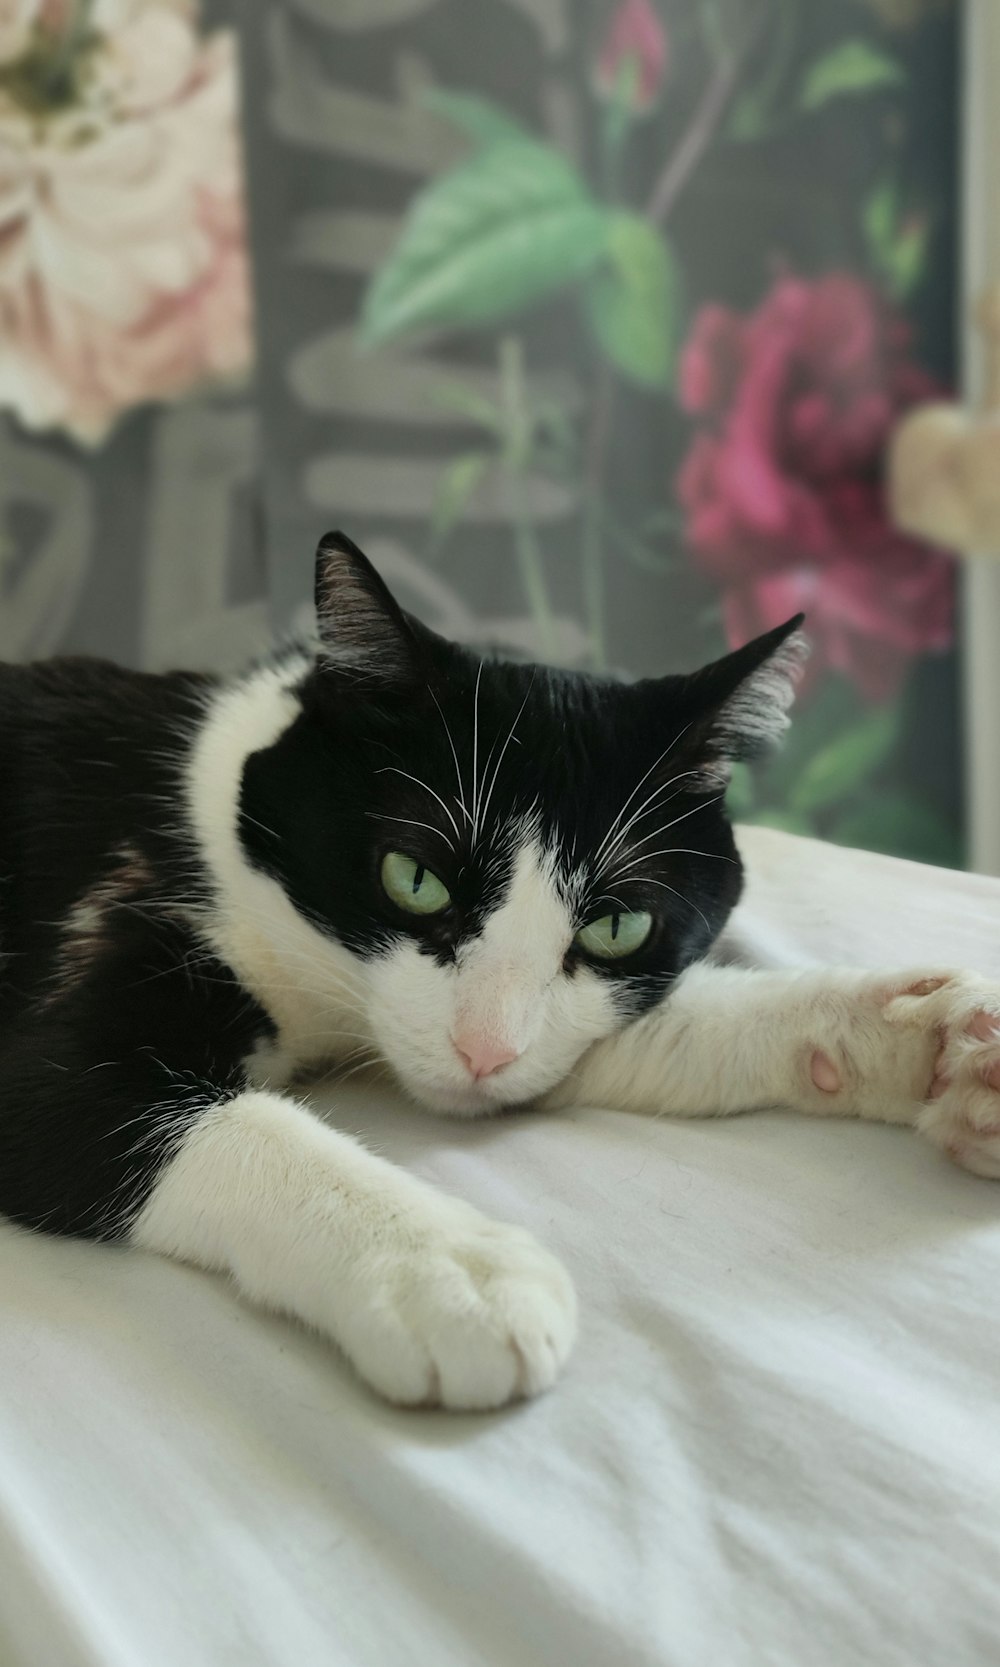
[[922, 1047], [953, 1071], [962, 1113], [462, 1313]]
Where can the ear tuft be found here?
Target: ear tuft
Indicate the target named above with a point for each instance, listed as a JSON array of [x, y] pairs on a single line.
[[755, 717], [362, 628], [745, 699]]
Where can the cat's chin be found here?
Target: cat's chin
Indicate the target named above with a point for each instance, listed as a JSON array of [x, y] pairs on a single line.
[[466, 1099]]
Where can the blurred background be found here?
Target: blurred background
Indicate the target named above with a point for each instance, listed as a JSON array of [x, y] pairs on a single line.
[[589, 319]]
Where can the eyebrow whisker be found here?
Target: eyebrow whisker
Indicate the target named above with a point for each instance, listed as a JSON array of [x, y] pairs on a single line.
[[458, 770], [640, 784], [642, 879], [410, 822], [390, 769], [506, 744]]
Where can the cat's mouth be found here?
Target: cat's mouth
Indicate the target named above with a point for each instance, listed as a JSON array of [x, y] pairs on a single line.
[[486, 1097]]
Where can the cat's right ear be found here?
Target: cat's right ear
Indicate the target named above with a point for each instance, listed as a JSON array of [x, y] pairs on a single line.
[[361, 625]]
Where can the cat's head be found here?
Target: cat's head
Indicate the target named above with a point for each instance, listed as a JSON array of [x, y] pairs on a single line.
[[522, 858]]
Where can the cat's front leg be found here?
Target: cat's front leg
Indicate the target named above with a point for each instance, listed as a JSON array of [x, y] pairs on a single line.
[[433, 1303], [926, 1051], [920, 1046]]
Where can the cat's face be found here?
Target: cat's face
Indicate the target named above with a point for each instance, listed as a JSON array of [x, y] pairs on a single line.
[[522, 859]]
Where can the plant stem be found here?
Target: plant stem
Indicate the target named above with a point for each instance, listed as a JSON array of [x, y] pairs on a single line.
[[529, 561], [593, 549], [711, 108], [517, 457]]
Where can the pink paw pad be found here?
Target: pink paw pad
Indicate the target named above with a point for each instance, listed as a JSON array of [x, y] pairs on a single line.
[[985, 1027], [824, 1073], [924, 987]]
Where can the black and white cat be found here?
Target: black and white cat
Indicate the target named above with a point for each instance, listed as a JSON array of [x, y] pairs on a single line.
[[500, 880]]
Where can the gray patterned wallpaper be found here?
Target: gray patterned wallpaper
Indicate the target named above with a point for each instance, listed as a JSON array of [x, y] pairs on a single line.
[[587, 318]]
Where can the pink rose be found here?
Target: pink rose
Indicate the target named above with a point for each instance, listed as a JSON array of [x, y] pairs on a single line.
[[123, 266], [634, 48], [782, 489]]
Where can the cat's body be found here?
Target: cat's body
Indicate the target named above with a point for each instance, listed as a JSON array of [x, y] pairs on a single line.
[[501, 881]]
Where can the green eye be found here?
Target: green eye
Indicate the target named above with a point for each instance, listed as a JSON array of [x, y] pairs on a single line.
[[412, 886], [615, 935]]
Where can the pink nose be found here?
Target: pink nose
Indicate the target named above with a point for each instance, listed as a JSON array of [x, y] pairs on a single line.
[[483, 1057]]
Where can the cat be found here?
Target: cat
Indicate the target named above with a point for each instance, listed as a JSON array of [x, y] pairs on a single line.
[[388, 847]]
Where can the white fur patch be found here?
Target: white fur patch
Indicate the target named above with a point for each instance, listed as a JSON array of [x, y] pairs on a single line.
[[313, 988], [86, 931], [431, 1302]]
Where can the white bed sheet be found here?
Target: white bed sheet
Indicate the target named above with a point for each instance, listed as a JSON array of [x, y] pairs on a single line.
[[777, 1441]]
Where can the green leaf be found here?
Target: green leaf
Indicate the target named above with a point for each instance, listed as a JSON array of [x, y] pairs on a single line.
[[879, 215], [835, 707], [846, 763], [897, 247], [502, 231], [631, 302], [908, 260], [482, 121], [901, 827], [456, 486], [463, 401], [855, 66]]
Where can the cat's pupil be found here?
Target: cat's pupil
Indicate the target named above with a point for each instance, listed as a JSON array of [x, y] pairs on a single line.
[[418, 880], [615, 923]]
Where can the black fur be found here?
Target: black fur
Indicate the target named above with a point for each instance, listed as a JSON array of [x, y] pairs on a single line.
[[105, 1046], [114, 1036]]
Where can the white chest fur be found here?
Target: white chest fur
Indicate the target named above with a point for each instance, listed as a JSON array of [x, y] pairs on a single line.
[[313, 989]]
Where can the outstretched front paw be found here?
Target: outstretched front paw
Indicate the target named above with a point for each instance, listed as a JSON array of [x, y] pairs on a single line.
[[961, 1112], [465, 1313]]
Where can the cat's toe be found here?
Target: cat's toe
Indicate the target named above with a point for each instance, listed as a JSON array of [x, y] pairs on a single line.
[[962, 1113], [476, 1317], [499, 1318]]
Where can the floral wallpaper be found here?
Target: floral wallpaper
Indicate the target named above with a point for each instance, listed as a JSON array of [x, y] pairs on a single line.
[[589, 319], [124, 285], [123, 265]]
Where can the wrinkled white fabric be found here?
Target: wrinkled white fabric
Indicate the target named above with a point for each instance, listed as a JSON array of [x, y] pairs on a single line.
[[776, 1442]]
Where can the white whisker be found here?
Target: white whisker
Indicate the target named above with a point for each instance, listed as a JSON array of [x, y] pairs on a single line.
[[506, 744], [409, 822], [642, 879], [638, 786], [649, 855], [475, 756], [458, 772], [390, 769], [644, 809]]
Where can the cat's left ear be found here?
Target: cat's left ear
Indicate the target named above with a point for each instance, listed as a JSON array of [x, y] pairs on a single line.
[[739, 704], [361, 625]]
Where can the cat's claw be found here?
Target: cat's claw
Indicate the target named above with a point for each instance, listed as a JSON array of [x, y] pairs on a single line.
[[469, 1315]]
